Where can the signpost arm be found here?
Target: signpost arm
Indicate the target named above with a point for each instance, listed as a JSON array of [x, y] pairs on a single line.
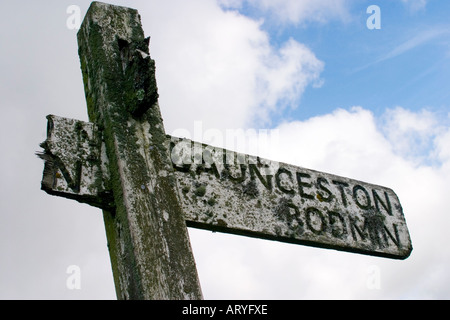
[[147, 236]]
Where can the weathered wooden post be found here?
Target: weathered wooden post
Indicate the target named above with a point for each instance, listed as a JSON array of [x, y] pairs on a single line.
[[150, 185], [147, 236]]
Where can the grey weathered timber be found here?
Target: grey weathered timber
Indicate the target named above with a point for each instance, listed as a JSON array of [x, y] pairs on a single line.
[[225, 191], [242, 194], [151, 186], [76, 165], [147, 236]]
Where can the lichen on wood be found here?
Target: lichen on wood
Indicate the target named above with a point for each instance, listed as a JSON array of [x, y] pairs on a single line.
[[73, 162], [286, 203], [153, 257]]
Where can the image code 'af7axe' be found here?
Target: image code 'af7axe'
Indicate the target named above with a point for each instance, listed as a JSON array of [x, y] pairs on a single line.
[[150, 186]]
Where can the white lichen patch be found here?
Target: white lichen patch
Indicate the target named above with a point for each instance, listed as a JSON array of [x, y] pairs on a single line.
[[165, 215]]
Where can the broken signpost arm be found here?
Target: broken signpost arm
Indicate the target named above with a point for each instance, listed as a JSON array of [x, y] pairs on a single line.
[[75, 162]]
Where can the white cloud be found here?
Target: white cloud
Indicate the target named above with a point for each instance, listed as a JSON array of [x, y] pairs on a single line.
[[443, 146], [412, 133], [285, 77], [298, 11], [223, 62], [348, 143], [415, 5], [418, 39]]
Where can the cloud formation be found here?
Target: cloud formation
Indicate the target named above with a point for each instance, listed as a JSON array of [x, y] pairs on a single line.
[[223, 61], [417, 40], [349, 143], [217, 66], [415, 5], [297, 11]]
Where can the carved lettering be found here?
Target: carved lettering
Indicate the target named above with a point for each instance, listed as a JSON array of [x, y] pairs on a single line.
[[305, 204], [302, 184], [386, 205], [341, 185], [278, 180], [254, 172], [315, 220], [337, 224], [362, 198], [328, 196]]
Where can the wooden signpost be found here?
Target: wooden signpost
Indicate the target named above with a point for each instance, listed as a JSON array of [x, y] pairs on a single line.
[[151, 186]]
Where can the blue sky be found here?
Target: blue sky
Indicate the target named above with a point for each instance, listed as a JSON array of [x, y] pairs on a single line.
[[405, 63], [372, 105]]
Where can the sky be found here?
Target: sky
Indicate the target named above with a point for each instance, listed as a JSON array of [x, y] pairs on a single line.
[[341, 96]]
